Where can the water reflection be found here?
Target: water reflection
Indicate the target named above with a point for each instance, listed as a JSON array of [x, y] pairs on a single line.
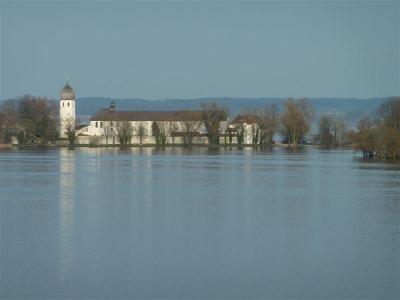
[[67, 216], [210, 223]]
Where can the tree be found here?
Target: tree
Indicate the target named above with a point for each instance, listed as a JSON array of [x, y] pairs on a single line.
[[296, 120], [389, 113], [8, 120], [229, 132], [389, 142], [70, 130], [339, 131], [212, 115], [159, 132], [41, 114], [240, 128], [190, 127], [389, 128], [141, 132], [31, 119], [50, 132], [325, 136], [267, 121], [174, 130], [255, 133], [124, 132], [108, 130], [332, 131], [25, 132], [380, 137], [366, 139]]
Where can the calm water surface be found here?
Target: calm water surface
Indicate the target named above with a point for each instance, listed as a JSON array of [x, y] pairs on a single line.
[[144, 223]]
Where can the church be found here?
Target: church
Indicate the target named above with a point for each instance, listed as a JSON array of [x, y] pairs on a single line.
[[111, 126]]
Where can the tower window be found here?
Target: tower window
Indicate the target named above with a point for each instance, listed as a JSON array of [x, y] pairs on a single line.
[[97, 125], [67, 103], [63, 104], [101, 124]]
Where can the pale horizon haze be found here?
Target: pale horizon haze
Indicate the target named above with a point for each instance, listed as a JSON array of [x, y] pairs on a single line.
[[175, 49]]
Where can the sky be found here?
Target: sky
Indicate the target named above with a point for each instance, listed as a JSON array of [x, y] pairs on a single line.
[[176, 49]]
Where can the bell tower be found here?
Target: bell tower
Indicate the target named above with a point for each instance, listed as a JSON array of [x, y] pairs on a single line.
[[67, 109]]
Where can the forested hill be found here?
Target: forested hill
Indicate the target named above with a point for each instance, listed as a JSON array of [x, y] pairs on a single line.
[[352, 109]]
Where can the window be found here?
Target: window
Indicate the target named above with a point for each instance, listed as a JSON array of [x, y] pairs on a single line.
[[101, 124], [63, 104], [97, 125], [67, 103]]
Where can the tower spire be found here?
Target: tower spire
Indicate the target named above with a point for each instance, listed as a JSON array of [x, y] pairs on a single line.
[[67, 78]]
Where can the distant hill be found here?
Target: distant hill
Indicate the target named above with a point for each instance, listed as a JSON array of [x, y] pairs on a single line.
[[351, 109]]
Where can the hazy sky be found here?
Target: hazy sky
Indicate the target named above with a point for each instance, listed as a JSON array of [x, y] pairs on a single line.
[[200, 49]]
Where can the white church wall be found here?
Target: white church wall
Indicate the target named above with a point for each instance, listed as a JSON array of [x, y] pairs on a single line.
[[67, 114]]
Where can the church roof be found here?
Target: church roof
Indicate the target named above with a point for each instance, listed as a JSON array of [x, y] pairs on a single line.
[[183, 115], [67, 92], [245, 118]]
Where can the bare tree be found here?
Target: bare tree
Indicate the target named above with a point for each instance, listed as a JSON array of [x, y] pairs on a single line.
[[190, 127], [267, 121], [141, 132], [226, 131], [367, 137], [108, 131], [296, 120], [230, 132], [380, 137], [325, 136], [339, 131], [124, 132], [212, 115], [332, 131], [240, 128], [8, 120], [389, 113], [159, 132], [174, 130], [70, 130]]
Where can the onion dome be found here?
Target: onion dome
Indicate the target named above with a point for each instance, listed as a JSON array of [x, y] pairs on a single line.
[[67, 92]]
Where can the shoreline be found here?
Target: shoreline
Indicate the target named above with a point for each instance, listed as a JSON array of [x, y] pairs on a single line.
[[278, 145]]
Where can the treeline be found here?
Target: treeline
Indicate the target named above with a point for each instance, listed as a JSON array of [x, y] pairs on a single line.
[[34, 120], [31, 120], [379, 135], [332, 132], [293, 124]]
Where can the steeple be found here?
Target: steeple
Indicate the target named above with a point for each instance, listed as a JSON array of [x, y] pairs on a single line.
[[67, 107], [112, 105], [67, 92]]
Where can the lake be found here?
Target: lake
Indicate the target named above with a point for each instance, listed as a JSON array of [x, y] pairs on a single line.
[[205, 223]]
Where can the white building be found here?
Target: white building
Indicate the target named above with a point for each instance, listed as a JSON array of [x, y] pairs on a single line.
[[107, 125], [249, 127], [67, 109]]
